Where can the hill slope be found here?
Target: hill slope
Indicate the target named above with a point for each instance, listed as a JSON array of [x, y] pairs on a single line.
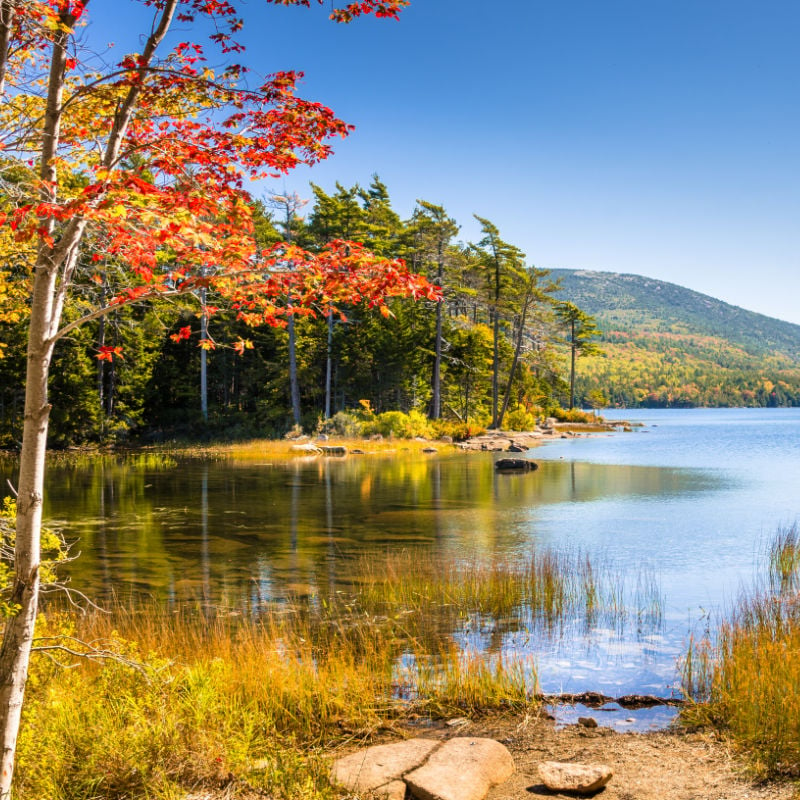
[[666, 345]]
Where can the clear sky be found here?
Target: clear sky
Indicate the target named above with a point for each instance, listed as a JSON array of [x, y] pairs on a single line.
[[658, 137]]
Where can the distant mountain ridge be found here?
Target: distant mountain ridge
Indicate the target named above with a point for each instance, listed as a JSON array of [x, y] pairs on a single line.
[[666, 345], [629, 301]]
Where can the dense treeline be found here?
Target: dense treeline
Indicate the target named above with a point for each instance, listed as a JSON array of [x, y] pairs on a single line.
[[683, 371], [498, 350], [493, 352]]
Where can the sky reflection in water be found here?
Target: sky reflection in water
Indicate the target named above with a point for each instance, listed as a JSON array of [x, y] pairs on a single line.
[[690, 500]]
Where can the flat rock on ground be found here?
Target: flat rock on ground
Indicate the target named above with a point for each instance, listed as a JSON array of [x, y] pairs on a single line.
[[561, 776], [461, 769], [432, 769], [379, 766]]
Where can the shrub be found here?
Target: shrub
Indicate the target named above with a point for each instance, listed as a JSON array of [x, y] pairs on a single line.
[[342, 423], [403, 426], [572, 415], [457, 430], [520, 419]]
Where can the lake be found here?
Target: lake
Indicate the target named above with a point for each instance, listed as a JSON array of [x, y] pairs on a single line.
[[690, 501]]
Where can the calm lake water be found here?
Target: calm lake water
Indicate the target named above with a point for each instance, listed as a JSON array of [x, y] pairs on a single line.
[[691, 499]]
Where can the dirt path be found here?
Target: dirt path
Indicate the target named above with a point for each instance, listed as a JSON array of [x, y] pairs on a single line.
[[647, 766], [664, 765]]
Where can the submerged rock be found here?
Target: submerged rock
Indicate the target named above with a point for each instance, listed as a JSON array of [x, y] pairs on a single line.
[[308, 448], [515, 465]]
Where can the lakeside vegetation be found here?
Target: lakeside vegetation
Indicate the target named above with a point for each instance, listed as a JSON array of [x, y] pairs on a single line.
[[745, 673], [164, 700]]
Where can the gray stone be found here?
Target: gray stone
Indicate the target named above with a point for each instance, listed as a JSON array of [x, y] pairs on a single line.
[[461, 769], [515, 465], [334, 449], [377, 768], [579, 778], [308, 447]]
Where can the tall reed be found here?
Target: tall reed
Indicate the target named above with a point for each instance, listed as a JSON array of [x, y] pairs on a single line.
[[746, 672], [193, 699]]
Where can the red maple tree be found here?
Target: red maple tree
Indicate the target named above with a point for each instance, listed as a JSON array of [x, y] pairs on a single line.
[[149, 159]]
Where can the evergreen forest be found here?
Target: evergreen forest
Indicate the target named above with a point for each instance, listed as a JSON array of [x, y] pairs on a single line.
[[494, 351], [501, 349]]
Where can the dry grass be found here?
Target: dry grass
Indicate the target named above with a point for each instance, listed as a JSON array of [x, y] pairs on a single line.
[[748, 672], [251, 701], [281, 449]]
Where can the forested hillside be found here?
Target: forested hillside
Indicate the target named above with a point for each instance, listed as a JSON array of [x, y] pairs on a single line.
[[665, 345]]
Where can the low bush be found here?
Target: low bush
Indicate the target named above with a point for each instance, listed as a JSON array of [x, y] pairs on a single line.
[[520, 419]]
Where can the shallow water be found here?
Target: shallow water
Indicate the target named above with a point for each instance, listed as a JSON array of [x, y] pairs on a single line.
[[691, 500]]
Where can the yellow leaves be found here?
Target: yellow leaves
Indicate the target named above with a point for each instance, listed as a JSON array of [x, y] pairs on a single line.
[[117, 211]]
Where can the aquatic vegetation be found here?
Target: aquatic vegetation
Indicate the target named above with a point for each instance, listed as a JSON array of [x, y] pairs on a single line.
[[745, 672], [198, 697]]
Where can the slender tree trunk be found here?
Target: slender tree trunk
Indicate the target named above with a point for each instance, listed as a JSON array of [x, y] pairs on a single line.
[[517, 350], [329, 367], [7, 10], [15, 650], [495, 366], [52, 279], [436, 400], [496, 338], [293, 385], [573, 348], [18, 636], [101, 364], [203, 358]]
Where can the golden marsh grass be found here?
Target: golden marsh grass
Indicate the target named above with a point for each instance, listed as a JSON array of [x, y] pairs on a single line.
[[199, 699]]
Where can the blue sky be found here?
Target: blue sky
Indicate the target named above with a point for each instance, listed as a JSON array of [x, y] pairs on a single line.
[[659, 137]]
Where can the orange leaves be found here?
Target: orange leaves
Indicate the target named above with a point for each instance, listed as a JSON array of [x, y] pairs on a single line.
[[290, 280], [160, 184], [108, 353], [183, 333], [240, 345], [380, 8]]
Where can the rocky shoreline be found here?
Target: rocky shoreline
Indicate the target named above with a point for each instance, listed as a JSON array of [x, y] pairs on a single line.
[[520, 441]]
